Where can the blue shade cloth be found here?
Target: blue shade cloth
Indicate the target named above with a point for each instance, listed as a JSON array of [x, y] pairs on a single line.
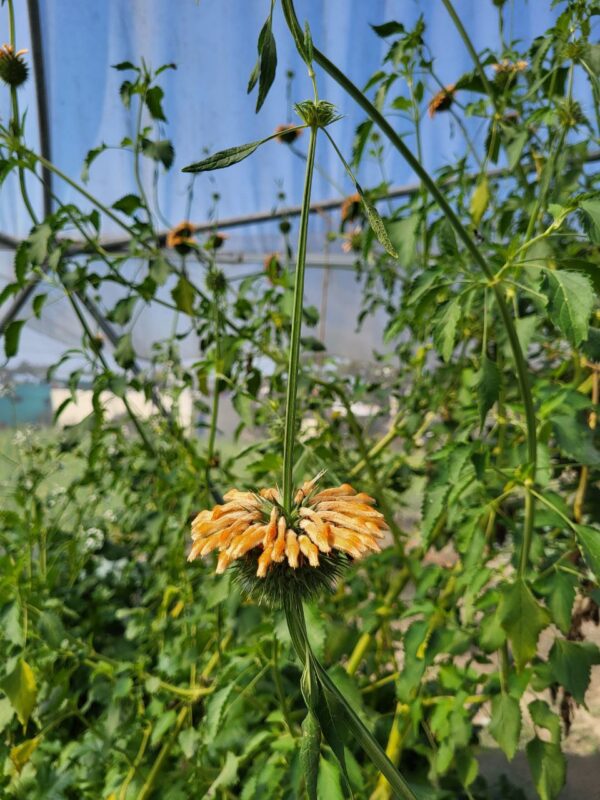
[[213, 43]]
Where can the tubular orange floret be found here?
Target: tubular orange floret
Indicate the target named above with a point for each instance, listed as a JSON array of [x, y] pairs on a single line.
[[254, 525]]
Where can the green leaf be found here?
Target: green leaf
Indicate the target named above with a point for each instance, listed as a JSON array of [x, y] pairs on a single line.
[[544, 717], [571, 302], [560, 600], [159, 269], [480, 200], [162, 725], [225, 158], [403, 234], [11, 337], [378, 227], [575, 439], [505, 725], [128, 204], [124, 353], [268, 63], [310, 749], [488, 387], [38, 303], [215, 709], [20, 688], [183, 295], [388, 29], [91, 156], [188, 740], [227, 777], [122, 65], [444, 333], [38, 243], [548, 768], [523, 619], [154, 97], [21, 262], [123, 310], [572, 663], [591, 209], [588, 539], [330, 781], [160, 150], [21, 753]]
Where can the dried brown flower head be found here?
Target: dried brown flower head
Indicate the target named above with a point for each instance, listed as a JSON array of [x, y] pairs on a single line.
[[287, 134], [442, 101], [273, 267], [13, 69], [215, 240], [181, 237], [322, 524]]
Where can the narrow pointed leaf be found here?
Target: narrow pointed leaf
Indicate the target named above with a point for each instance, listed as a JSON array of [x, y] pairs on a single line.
[[225, 158], [488, 387]]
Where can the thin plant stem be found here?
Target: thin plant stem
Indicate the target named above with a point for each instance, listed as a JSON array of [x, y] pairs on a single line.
[[462, 233], [294, 355]]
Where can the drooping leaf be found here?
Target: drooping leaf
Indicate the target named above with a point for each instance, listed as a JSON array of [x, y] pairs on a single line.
[[162, 725], [572, 663], [123, 310], [11, 337], [591, 209], [183, 294], [505, 725], [543, 716], [523, 619], [22, 261], [444, 333], [571, 298], [480, 200], [560, 600], [548, 768], [160, 150], [39, 239], [388, 28], [124, 353], [588, 539], [21, 689], [128, 204], [378, 228], [154, 97], [228, 776], [215, 708], [488, 387], [268, 65]]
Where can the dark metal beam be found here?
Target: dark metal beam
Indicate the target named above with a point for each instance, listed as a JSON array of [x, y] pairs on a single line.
[[41, 93]]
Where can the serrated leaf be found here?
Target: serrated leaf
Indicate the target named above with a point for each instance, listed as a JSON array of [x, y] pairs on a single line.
[[215, 708], [444, 333], [123, 310], [505, 725], [12, 335], [21, 262], [572, 664], [588, 539], [571, 302], [548, 768], [183, 294], [544, 717], [523, 619], [21, 689], [91, 156], [159, 269], [480, 200], [225, 158], [488, 387], [188, 739], [227, 777], [310, 749], [560, 600], [38, 303], [38, 243]]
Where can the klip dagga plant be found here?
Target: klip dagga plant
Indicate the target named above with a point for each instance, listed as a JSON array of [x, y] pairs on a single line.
[[288, 547]]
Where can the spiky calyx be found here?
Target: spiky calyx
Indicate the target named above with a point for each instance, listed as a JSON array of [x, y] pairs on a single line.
[[13, 68]]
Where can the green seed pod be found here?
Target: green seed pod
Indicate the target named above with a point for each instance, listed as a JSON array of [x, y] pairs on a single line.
[[317, 115], [216, 282]]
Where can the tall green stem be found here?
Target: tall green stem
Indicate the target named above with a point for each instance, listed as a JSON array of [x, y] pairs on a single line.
[[461, 231], [293, 363], [297, 626]]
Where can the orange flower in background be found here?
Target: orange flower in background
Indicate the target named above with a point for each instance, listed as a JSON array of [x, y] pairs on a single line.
[[443, 100], [181, 236], [287, 134], [320, 523], [351, 208]]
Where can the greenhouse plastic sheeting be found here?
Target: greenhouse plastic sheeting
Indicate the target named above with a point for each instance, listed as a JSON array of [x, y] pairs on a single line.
[[213, 43]]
